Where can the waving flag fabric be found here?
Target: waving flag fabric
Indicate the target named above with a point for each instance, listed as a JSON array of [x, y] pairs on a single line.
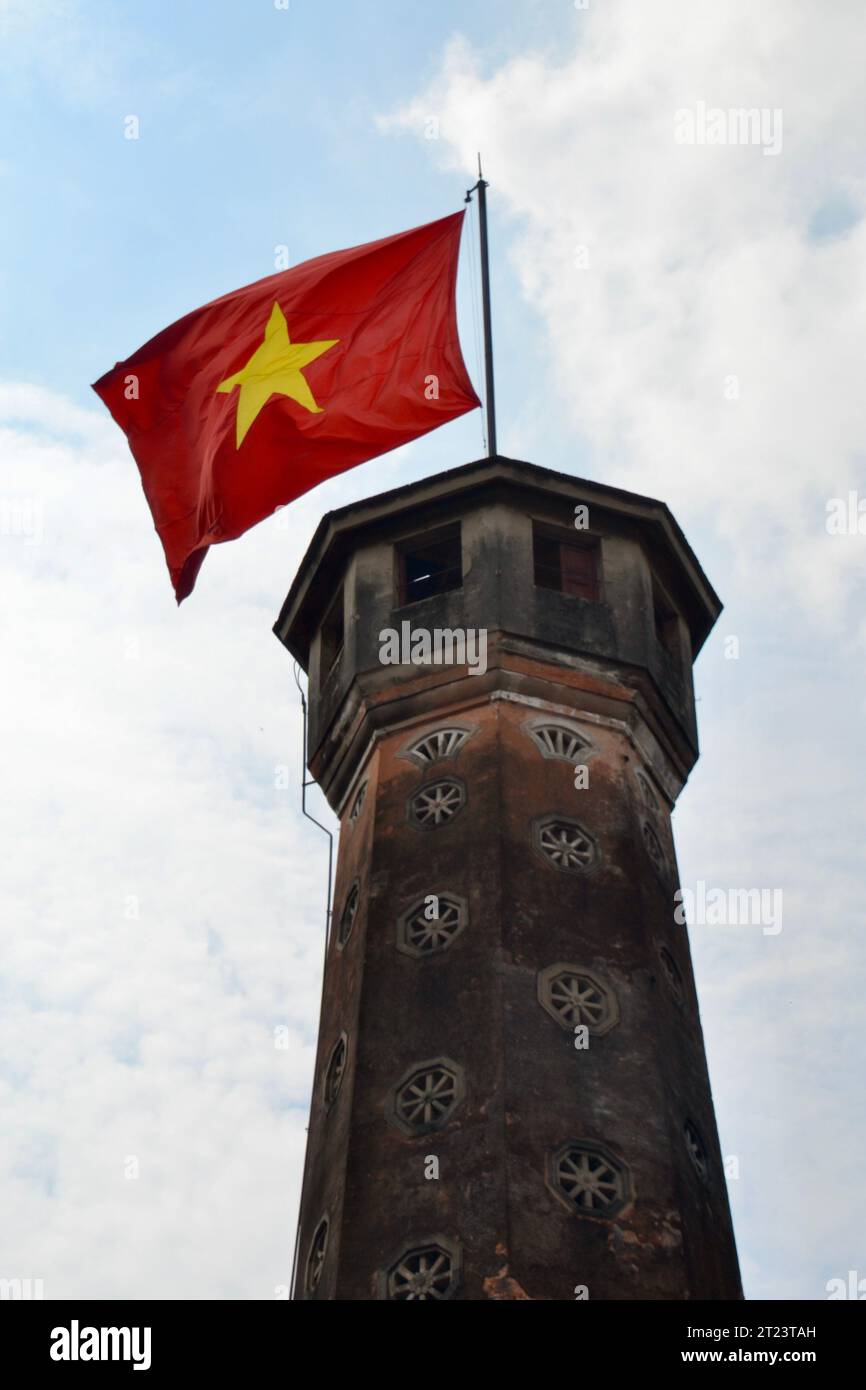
[[247, 403]]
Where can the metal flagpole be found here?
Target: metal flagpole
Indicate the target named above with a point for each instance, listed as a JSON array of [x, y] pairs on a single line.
[[481, 187]]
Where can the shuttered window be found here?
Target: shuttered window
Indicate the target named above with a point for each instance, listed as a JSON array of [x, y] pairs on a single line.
[[567, 565]]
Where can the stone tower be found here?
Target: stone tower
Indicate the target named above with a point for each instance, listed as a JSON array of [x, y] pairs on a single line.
[[511, 1096]]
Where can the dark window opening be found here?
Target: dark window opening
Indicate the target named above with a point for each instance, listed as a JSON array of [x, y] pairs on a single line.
[[428, 565], [567, 565], [331, 644], [666, 623]]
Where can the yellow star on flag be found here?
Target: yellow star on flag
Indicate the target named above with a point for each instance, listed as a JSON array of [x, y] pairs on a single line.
[[274, 369]]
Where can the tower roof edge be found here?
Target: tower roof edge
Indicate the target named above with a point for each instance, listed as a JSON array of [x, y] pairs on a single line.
[[339, 530]]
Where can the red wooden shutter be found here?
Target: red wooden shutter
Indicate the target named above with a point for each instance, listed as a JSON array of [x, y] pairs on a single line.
[[579, 573]]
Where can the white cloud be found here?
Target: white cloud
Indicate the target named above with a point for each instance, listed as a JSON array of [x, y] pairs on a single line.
[[701, 264], [163, 901]]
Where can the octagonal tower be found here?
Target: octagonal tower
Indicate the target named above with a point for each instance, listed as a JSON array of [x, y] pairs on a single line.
[[511, 1096]]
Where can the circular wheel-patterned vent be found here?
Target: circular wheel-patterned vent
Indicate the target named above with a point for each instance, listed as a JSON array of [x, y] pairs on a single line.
[[654, 848], [349, 913], [436, 803], [427, 1095], [316, 1257], [697, 1152], [672, 975], [420, 934], [426, 1272], [565, 844], [590, 1179], [647, 792], [335, 1070], [573, 996]]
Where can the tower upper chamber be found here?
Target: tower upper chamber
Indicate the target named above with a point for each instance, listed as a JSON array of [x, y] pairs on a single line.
[[511, 1096]]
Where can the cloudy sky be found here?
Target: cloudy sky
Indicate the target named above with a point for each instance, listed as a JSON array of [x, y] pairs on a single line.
[[681, 318]]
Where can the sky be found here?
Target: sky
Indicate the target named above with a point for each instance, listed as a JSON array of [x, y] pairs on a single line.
[[679, 317]]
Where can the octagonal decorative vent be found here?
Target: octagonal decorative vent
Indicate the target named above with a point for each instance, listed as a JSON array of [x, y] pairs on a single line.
[[672, 974], [654, 848], [421, 934], [646, 791], [590, 1179], [425, 1097], [565, 844], [358, 803], [349, 913], [572, 996], [427, 1271], [436, 803], [316, 1257], [335, 1070], [557, 739], [442, 743], [697, 1151]]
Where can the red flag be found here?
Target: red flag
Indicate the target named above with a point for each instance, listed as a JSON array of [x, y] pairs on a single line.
[[249, 402]]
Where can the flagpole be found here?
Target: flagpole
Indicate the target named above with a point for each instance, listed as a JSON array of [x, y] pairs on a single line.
[[481, 187]]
